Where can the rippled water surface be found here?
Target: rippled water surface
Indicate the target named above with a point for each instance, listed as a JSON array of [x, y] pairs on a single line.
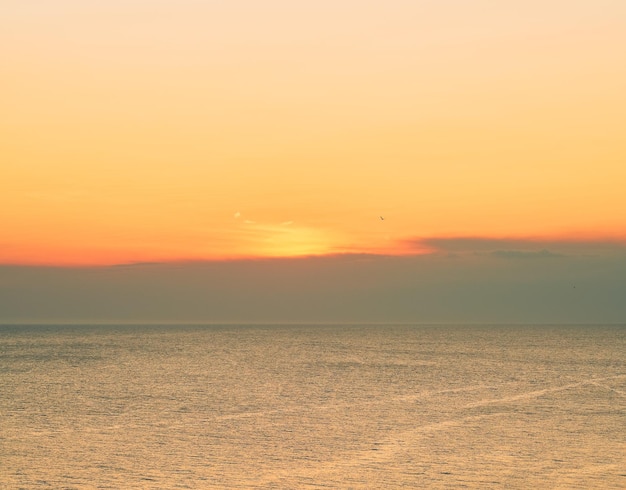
[[312, 406]]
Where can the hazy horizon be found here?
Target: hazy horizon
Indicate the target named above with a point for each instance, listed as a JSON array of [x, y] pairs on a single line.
[[494, 286]]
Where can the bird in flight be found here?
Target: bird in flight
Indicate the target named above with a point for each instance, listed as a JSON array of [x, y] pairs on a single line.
[[381, 218]]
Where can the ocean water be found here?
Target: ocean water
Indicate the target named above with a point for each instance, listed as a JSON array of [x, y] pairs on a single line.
[[310, 406]]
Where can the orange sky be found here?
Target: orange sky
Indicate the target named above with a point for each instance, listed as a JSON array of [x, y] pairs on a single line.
[[139, 131]]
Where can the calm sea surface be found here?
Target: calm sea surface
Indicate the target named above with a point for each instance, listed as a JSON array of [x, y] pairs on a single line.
[[312, 406]]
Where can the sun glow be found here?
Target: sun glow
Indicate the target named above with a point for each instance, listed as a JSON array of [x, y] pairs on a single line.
[[292, 241]]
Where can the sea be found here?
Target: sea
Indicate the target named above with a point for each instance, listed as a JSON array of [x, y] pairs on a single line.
[[312, 406]]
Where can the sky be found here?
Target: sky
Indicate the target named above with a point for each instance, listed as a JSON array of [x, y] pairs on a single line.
[[246, 151]]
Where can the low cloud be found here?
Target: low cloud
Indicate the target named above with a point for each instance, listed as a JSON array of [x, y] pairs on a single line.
[[517, 248]]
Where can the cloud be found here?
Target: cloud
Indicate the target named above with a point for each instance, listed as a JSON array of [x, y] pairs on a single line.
[[287, 223], [516, 248]]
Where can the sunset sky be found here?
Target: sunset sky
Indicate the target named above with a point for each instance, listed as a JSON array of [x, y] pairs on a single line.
[[190, 131]]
